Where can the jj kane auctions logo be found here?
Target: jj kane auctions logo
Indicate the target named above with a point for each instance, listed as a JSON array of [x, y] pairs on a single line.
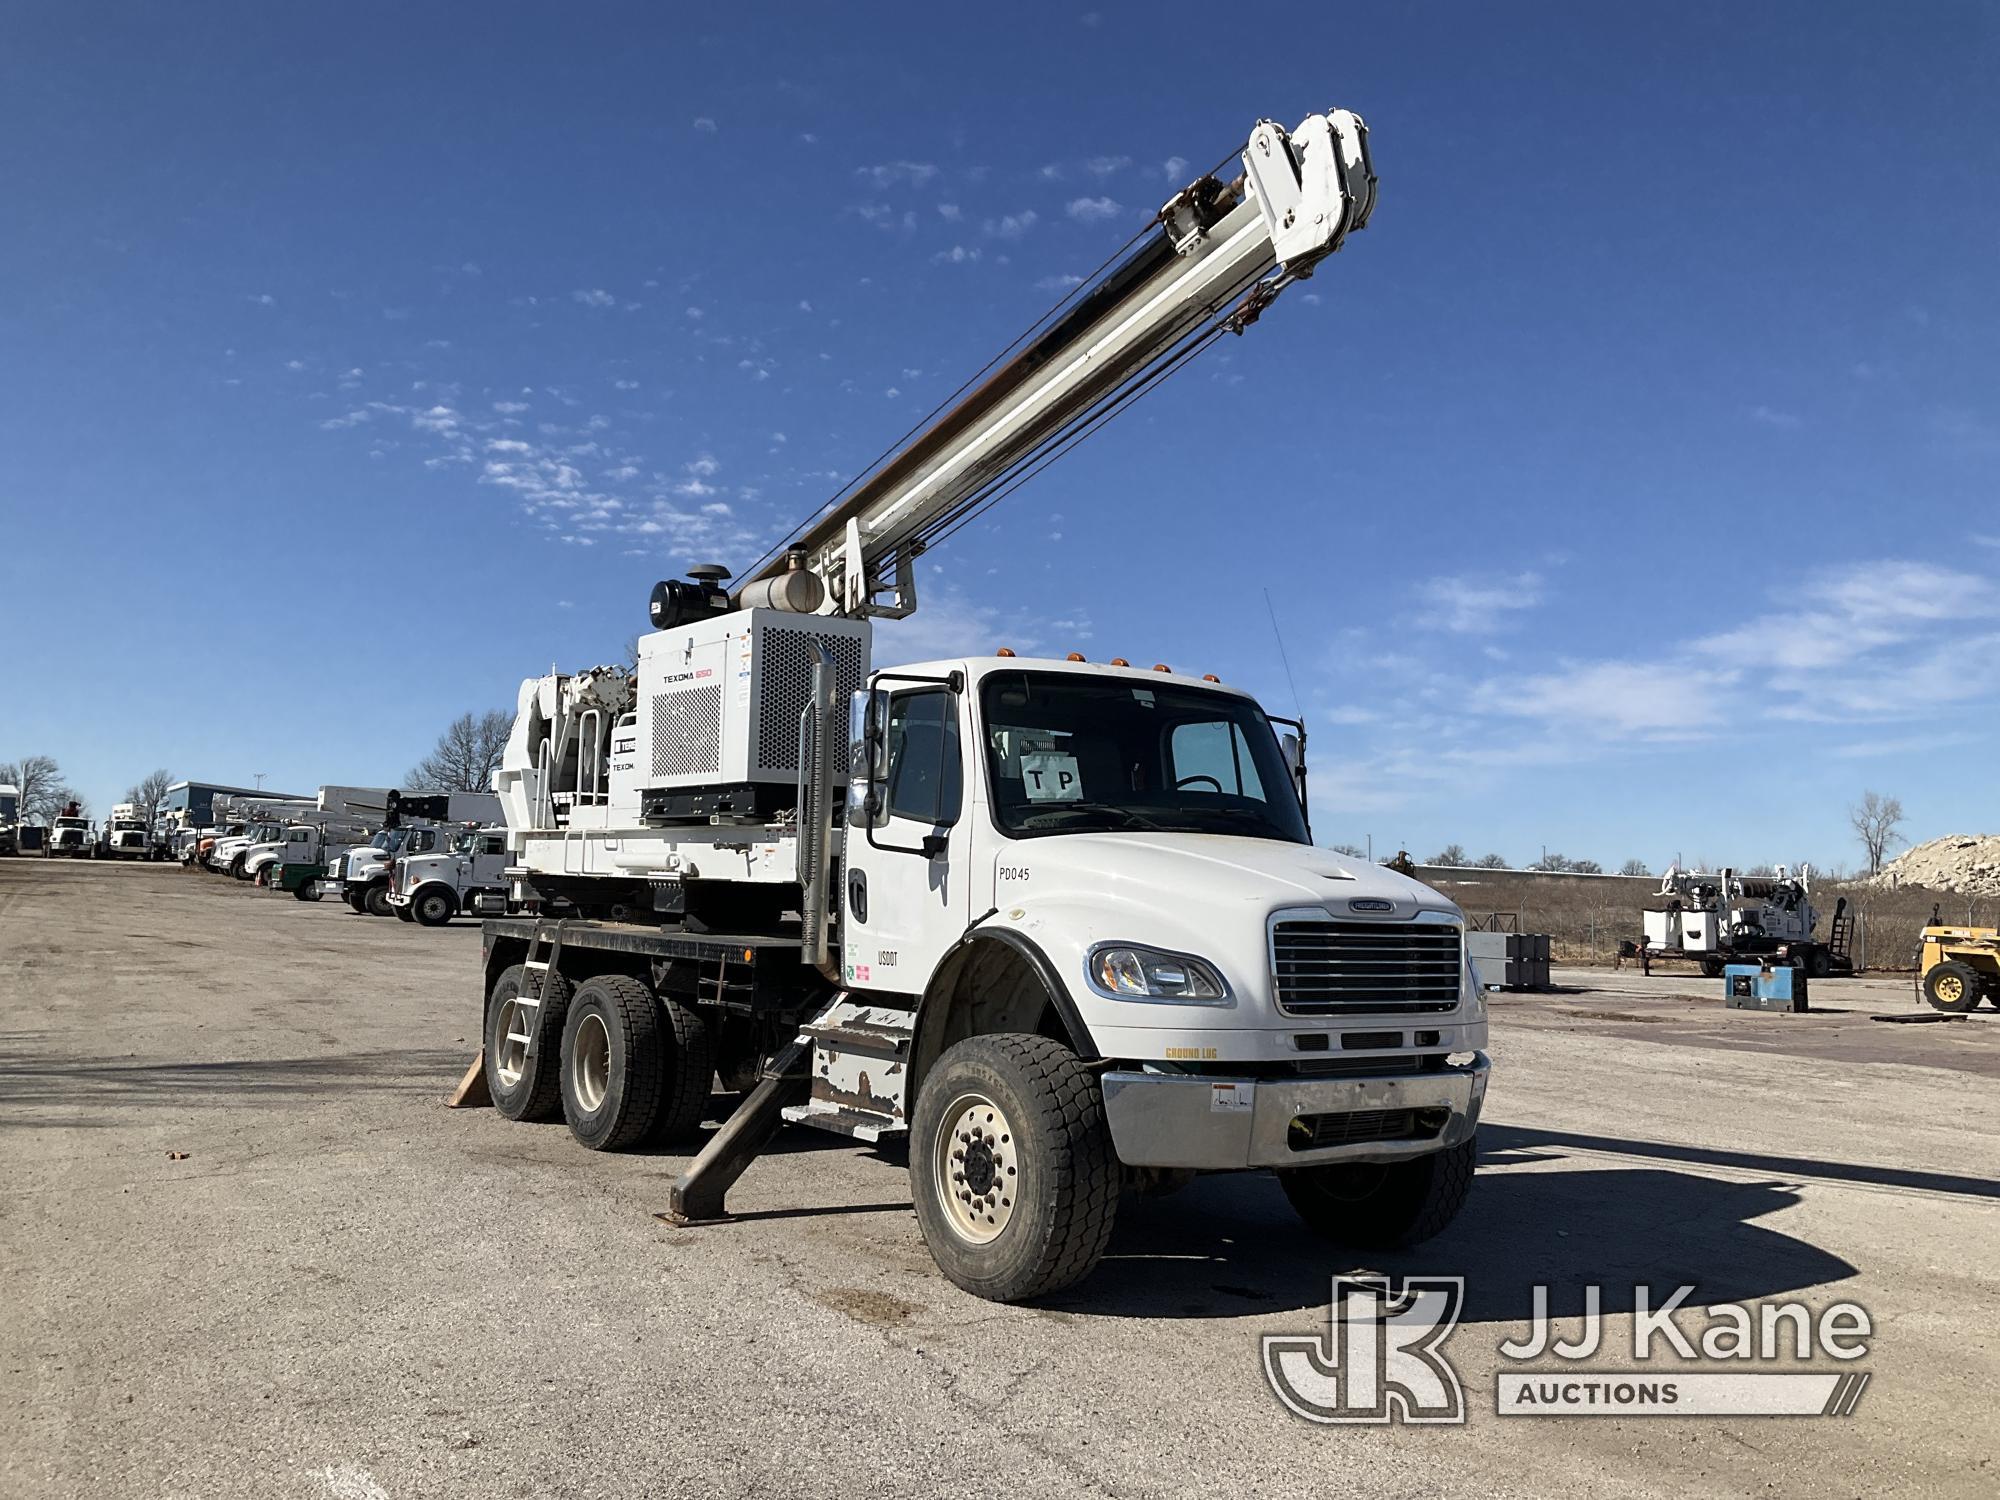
[[1381, 1358]]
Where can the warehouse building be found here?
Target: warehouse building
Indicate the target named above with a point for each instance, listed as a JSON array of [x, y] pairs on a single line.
[[189, 803]]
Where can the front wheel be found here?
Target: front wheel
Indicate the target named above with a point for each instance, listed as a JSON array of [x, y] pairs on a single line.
[[404, 913], [1953, 987], [1012, 1170], [308, 890], [1711, 966], [1382, 1205], [375, 901], [433, 908]]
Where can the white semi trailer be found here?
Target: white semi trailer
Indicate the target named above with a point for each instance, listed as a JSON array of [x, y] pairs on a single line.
[[1067, 929]]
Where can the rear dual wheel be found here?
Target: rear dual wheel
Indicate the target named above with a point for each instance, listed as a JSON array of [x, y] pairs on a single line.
[[635, 1066]]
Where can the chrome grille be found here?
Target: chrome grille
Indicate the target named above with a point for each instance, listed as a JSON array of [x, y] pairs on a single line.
[[1335, 968]]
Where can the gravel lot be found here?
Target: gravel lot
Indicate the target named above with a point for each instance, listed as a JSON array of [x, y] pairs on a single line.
[[343, 1289]]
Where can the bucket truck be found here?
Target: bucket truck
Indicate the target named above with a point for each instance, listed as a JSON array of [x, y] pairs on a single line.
[[414, 825], [1061, 923]]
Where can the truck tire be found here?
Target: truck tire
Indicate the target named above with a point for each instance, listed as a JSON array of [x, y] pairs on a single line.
[[308, 890], [525, 1088], [613, 1063], [1953, 987], [236, 867], [1382, 1205], [689, 1072], [1012, 1169], [356, 902], [1711, 966], [434, 906], [375, 900], [404, 913], [1819, 963]]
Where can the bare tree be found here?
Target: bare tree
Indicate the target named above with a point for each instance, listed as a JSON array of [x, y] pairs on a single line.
[[466, 756], [1875, 819], [150, 793], [1585, 867], [1491, 862], [1635, 867], [1350, 850], [1450, 854], [39, 780]]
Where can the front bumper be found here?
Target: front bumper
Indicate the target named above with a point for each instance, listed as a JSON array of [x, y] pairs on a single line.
[[1218, 1124]]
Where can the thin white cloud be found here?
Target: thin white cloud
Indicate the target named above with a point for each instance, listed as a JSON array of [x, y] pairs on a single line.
[[705, 125], [1093, 210], [1469, 605], [1174, 168], [1768, 416], [888, 174], [594, 297], [1106, 166], [1012, 226]]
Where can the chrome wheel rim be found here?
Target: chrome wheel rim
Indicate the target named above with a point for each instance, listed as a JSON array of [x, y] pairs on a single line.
[[590, 1063], [511, 1049], [975, 1169]]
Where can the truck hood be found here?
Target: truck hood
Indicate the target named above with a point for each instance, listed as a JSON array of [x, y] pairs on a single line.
[[1220, 872]]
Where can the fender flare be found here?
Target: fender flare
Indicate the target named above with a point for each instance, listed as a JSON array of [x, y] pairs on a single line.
[[967, 947]]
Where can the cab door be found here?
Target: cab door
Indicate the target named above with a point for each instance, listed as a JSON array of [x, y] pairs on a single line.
[[905, 895]]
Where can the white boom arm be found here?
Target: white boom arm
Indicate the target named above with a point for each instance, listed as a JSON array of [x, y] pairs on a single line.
[[1301, 193]]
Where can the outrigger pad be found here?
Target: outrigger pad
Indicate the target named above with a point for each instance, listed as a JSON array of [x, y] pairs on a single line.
[[472, 1092]]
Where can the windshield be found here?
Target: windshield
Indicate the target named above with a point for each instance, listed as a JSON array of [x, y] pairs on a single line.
[[71, 823], [390, 839], [463, 843], [1070, 754]]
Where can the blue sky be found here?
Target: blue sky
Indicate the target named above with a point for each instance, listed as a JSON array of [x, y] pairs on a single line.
[[1627, 487]]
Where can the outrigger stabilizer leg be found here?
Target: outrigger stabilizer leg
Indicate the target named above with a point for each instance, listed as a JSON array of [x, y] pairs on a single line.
[[697, 1197]]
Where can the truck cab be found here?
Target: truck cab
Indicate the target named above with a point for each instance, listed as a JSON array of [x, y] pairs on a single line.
[[10, 819], [470, 875], [1121, 857], [361, 876], [71, 837], [126, 834]]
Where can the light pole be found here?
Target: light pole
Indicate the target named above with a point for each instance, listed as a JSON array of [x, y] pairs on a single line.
[[260, 779]]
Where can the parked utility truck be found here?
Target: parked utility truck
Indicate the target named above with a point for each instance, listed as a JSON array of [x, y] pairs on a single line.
[[1062, 922], [126, 834], [415, 824], [10, 818], [298, 860], [468, 875], [71, 835]]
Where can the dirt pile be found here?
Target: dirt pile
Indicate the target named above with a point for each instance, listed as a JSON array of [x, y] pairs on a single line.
[[1968, 863]]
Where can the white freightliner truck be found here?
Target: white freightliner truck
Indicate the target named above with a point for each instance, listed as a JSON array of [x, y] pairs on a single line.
[[297, 859], [1067, 927]]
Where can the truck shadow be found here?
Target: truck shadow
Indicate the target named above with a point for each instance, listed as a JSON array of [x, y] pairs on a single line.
[[1231, 1246], [47, 1091]]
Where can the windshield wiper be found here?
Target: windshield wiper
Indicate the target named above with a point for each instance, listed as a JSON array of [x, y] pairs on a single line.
[[1096, 809]]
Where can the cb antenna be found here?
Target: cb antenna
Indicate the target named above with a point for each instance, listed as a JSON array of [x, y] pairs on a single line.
[[1297, 707]]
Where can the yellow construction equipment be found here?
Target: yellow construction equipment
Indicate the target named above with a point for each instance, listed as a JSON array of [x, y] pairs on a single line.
[[1959, 965]]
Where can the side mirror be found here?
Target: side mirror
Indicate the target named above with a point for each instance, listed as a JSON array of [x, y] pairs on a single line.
[[868, 758], [868, 733], [1293, 749]]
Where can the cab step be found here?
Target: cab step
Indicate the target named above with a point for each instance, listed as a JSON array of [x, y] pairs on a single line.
[[860, 1066]]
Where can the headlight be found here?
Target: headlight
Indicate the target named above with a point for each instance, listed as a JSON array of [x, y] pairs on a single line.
[[1125, 971]]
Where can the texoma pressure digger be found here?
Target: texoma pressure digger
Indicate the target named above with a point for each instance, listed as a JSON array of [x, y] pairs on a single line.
[[1061, 922]]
